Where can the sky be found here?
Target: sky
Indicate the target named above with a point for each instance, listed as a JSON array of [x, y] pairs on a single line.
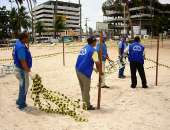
[[91, 9]]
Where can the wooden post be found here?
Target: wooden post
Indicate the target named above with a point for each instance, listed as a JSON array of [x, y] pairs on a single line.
[[63, 51], [157, 61], [100, 74], [162, 40]]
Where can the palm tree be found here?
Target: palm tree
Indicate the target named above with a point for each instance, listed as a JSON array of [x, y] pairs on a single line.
[[39, 28], [30, 7], [19, 19], [13, 18], [24, 18], [60, 23]]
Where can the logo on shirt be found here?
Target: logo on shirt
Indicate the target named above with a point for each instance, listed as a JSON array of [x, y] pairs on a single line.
[[137, 48], [83, 52]]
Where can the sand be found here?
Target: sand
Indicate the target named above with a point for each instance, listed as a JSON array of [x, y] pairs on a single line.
[[122, 108]]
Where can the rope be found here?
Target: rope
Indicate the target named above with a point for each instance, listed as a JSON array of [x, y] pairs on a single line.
[[55, 102]]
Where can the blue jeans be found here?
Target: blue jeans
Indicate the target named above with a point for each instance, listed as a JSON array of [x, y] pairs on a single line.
[[121, 71], [23, 78]]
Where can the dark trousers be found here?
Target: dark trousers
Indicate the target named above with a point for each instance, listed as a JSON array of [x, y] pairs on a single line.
[[121, 71], [134, 66]]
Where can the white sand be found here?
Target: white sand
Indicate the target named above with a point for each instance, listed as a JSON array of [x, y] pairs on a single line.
[[122, 108]]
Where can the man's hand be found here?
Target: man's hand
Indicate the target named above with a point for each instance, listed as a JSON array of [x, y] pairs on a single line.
[[95, 70], [32, 75], [121, 58], [24, 65]]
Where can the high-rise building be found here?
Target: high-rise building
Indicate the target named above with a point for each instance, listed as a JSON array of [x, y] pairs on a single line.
[[140, 15], [47, 11]]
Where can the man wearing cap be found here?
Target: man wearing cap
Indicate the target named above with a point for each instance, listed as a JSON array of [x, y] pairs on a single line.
[[84, 68], [23, 63], [122, 46], [104, 58], [136, 58]]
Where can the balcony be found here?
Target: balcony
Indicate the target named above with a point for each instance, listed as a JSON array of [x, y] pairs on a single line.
[[141, 15], [68, 8], [72, 26], [108, 12], [116, 20]]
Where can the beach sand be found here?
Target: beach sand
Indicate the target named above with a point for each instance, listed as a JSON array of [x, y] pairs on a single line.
[[122, 108]]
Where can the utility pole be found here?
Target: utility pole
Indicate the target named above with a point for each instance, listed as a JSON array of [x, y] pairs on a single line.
[[80, 23], [140, 22], [124, 16], [124, 5], [11, 1], [86, 27], [55, 14]]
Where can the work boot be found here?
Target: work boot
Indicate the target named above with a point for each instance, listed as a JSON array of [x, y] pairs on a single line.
[[105, 86], [90, 108], [122, 76], [144, 86]]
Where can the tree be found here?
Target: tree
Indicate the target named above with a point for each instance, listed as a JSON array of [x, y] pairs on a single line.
[[60, 23], [30, 7], [25, 19], [39, 28], [13, 18], [4, 23], [19, 19]]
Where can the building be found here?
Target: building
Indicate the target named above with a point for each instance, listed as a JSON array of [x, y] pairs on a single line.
[[139, 16], [46, 13]]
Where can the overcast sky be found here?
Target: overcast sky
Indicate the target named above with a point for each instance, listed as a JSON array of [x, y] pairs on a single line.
[[90, 9]]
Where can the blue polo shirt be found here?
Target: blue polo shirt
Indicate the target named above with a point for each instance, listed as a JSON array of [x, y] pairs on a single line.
[[21, 52], [104, 50]]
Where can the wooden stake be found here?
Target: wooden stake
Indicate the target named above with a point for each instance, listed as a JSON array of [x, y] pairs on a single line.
[[100, 74], [157, 61], [63, 51], [162, 41]]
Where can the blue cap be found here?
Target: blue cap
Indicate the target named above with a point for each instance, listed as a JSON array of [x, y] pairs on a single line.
[[92, 38]]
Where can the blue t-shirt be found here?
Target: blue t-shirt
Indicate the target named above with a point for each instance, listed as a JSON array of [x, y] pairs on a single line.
[[21, 52], [104, 50], [85, 61]]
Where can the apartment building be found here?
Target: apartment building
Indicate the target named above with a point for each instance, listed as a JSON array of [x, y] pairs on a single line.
[[141, 15], [47, 11]]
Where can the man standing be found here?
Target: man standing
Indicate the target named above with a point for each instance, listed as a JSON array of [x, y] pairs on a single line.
[[136, 59], [84, 69], [23, 63], [122, 46], [104, 57]]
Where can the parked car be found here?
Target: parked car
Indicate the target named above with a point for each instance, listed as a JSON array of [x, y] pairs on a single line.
[[12, 42]]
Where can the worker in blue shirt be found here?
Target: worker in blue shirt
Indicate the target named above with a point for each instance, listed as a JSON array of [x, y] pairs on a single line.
[[104, 58], [23, 63], [136, 58], [122, 46], [84, 68]]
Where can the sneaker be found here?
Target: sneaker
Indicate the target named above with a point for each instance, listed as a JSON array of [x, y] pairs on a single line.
[[22, 107], [17, 103], [105, 86], [122, 77], [91, 108]]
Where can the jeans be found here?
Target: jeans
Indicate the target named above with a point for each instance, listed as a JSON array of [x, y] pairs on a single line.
[[23, 78], [121, 71]]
